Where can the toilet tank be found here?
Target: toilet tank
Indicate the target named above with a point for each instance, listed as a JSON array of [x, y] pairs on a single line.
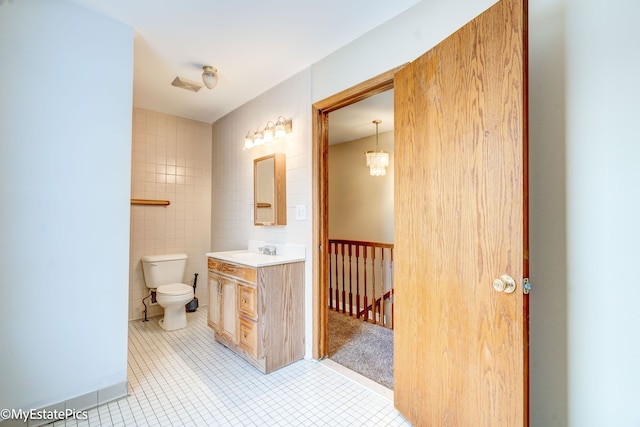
[[163, 269]]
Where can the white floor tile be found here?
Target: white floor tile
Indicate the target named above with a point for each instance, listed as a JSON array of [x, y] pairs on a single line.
[[186, 378]]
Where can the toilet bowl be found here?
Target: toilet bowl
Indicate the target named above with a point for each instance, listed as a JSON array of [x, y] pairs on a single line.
[[173, 299], [163, 274]]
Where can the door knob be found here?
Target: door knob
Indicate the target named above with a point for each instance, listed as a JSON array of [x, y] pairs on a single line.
[[504, 284]]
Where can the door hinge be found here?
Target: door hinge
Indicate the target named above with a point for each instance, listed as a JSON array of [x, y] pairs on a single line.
[[526, 286]]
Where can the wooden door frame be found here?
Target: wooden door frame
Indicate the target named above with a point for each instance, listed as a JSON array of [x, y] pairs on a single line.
[[320, 178]]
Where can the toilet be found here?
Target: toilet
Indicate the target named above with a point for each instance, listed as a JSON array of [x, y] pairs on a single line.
[[164, 273]]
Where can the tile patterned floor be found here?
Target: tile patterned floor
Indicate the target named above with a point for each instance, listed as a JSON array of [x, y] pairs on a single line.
[[186, 378]]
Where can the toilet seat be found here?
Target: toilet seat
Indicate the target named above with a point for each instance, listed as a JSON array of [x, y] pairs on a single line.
[[175, 289]]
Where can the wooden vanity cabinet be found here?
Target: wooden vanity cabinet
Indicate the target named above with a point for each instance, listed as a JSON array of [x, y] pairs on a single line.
[[258, 312]]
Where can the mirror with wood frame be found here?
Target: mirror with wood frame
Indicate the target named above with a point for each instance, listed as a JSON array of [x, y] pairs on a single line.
[[269, 190]]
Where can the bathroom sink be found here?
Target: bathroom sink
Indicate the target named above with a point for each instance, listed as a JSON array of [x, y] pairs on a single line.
[[255, 257]]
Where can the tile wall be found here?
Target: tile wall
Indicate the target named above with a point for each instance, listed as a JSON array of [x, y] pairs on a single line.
[[171, 160], [232, 213]]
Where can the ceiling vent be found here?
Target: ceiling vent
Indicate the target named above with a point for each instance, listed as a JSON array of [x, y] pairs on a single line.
[[186, 84]]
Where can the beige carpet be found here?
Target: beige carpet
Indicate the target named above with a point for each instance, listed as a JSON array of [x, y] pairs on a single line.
[[362, 347]]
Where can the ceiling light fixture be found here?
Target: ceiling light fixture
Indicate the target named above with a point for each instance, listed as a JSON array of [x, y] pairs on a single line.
[[270, 133], [209, 76], [377, 160]]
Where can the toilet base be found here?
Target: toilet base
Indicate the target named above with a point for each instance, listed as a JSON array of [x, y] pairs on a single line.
[[172, 299], [173, 321]]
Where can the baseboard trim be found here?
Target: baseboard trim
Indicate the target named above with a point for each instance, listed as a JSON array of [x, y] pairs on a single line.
[[360, 379], [77, 404]]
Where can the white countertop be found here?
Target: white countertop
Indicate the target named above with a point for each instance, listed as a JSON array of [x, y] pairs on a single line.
[[255, 259]]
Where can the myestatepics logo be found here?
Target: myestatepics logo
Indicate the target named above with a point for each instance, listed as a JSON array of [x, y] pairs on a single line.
[[42, 414]]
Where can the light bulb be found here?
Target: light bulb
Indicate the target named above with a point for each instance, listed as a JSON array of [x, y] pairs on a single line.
[[279, 130], [268, 133], [257, 138], [248, 141]]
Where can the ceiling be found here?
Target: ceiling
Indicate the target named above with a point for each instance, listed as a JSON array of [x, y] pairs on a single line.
[[355, 121], [254, 44]]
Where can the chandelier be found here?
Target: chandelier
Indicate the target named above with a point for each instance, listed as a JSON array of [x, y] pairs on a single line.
[[377, 160]]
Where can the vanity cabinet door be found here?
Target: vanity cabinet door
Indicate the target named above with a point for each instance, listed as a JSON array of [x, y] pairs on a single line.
[[213, 311], [222, 310], [229, 310]]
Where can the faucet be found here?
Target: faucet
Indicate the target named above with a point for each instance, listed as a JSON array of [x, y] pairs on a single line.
[[267, 250]]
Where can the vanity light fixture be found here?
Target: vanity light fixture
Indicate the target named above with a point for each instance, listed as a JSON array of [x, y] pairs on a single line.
[[377, 160], [209, 76], [270, 133]]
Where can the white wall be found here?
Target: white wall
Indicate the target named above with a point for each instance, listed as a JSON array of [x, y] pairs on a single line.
[[603, 231], [360, 205], [232, 174], [547, 214], [65, 141], [583, 145]]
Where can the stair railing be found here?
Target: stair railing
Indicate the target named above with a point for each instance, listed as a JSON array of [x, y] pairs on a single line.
[[361, 280]]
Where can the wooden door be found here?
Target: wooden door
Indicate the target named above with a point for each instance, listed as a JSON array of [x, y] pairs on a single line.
[[460, 222]]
